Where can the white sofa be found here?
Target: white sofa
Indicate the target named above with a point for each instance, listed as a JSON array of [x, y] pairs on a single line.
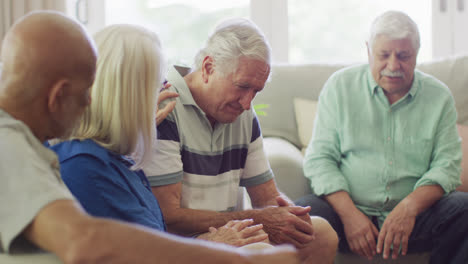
[[291, 95]]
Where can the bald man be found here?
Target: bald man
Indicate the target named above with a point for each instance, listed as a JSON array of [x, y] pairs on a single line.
[[49, 66]]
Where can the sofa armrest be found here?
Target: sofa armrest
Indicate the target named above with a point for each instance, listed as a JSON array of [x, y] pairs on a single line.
[[286, 162]]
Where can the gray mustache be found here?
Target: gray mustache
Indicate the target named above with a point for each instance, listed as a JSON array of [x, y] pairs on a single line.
[[390, 73]]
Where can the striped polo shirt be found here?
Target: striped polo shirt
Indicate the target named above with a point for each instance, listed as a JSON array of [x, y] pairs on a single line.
[[210, 162]]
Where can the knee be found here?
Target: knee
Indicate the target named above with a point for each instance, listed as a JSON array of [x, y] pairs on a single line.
[[456, 202], [323, 248], [325, 233]]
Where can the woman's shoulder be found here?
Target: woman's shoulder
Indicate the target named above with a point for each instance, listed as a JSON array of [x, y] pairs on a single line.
[[75, 148]]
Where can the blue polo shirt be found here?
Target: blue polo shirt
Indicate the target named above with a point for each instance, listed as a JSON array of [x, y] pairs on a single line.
[[105, 186]]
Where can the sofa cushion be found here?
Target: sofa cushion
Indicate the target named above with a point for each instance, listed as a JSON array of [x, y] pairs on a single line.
[[305, 115], [286, 162]]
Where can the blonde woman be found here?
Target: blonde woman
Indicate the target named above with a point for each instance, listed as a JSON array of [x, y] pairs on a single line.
[[102, 159]]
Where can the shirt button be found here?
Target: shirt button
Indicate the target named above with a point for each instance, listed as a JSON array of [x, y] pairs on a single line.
[[390, 162], [388, 189], [389, 138]]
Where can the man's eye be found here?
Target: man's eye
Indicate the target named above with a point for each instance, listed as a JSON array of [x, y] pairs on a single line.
[[404, 57]]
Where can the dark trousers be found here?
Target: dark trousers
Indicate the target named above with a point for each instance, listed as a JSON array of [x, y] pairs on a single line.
[[441, 229]]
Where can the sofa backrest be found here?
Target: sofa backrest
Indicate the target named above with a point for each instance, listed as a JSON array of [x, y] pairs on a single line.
[[286, 83], [306, 81]]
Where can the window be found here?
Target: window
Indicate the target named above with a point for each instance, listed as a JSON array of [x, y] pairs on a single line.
[[182, 25], [300, 31], [336, 31]]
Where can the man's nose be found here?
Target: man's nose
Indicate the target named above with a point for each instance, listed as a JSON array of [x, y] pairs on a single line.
[[393, 63], [246, 100]]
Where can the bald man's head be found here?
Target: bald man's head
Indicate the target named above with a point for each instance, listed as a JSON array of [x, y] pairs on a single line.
[[41, 51], [43, 47]]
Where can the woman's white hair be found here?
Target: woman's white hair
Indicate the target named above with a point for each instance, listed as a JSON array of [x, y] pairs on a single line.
[[232, 39], [395, 25], [129, 73]]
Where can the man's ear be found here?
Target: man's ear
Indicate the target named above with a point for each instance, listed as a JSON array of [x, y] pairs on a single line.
[[57, 94], [207, 68]]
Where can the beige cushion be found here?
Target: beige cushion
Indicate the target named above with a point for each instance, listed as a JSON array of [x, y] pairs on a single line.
[[463, 132], [452, 72], [305, 110]]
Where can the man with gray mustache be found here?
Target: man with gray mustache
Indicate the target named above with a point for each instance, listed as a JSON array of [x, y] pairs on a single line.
[[384, 158]]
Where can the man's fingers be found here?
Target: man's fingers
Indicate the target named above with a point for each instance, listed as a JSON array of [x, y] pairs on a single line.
[[299, 210], [404, 245], [375, 231], [365, 247], [299, 236], [380, 240], [303, 226], [356, 248], [281, 201], [371, 242], [387, 245], [396, 245]]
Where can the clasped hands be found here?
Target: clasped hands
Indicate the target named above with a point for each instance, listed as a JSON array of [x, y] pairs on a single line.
[[283, 224], [286, 223], [362, 234]]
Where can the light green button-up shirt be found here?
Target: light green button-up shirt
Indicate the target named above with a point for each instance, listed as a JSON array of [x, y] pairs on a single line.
[[377, 152]]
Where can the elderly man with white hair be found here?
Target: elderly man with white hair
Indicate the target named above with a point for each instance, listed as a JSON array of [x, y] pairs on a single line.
[[384, 159], [211, 144]]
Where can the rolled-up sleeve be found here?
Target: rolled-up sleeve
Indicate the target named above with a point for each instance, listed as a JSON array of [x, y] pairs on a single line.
[[446, 156]]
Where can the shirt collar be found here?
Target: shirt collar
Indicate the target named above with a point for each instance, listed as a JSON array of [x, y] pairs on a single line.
[[45, 153], [175, 77], [372, 84]]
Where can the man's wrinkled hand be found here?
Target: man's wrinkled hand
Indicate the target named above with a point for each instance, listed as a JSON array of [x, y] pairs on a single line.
[[361, 234], [284, 224], [396, 231], [304, 215]]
